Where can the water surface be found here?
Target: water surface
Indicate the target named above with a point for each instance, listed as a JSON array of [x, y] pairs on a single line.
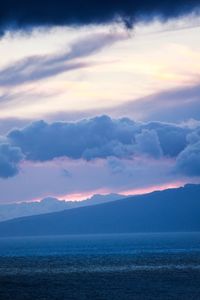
[[129, 266]]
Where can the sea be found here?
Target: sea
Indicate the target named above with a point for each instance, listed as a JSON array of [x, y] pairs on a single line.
[[160, 266]]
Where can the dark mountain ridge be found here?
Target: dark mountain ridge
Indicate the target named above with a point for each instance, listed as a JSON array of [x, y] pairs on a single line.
[[171, 210]]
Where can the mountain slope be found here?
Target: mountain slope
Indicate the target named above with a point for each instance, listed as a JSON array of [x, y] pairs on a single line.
[[164, 211], [48, 205]]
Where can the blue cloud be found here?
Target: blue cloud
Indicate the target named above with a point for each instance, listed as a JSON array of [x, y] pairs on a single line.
[[172, 137], [147, 142], [188, 161], [9, 158], [99, 137]]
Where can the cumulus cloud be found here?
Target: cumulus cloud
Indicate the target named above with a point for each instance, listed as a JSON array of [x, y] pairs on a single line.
[[99, 137], [193, 137], [172, 137], [9, 158], [39, 67], [147, 142], [26, 14], [188, 161], [103, 138]]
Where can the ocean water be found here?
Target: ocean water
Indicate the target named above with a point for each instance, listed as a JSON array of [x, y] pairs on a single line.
[[129, 266]]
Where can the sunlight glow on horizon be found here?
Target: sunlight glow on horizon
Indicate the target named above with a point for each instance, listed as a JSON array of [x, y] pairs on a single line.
[[133, 192]]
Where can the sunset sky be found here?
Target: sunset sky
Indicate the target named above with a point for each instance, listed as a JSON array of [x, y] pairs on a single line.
[[98, 106]]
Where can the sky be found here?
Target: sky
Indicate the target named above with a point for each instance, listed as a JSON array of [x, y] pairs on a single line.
[[98, 101]]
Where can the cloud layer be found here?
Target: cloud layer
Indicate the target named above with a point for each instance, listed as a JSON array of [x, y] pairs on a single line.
[[102, 138], [39, 67], [25, 14], [188, 161], [99, 137], [172, 105]]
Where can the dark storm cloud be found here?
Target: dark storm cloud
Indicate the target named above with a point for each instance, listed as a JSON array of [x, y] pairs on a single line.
[[39, 67], [25, 14]]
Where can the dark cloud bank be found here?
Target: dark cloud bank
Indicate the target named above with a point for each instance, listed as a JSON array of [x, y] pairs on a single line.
[[101, 137], [25, 14]]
